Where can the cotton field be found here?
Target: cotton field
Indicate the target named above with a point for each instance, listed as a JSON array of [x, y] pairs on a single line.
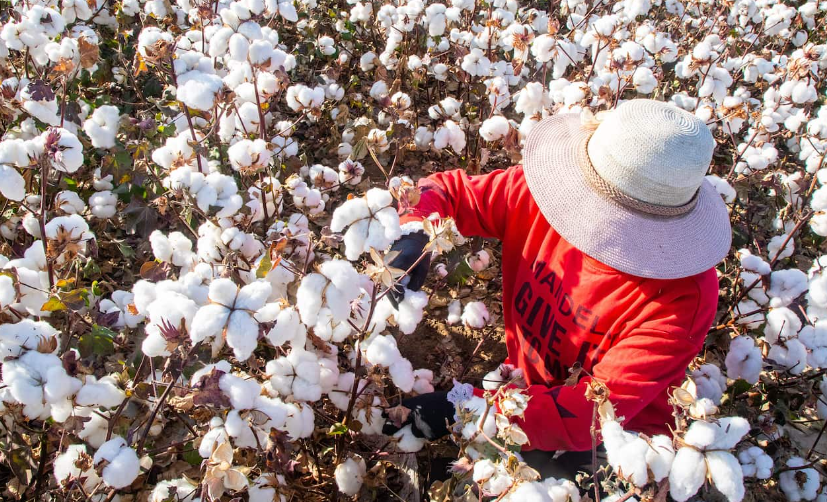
[[198, 199]]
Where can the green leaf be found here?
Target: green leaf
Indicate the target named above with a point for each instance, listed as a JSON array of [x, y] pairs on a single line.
[[461, 273], [191, 455], [99, 341], [740, 386], [126, 250], [337, 429], [53, 305], [359, 149], [264, 266]]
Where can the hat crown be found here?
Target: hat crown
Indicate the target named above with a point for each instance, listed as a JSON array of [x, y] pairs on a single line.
[[652, 151]]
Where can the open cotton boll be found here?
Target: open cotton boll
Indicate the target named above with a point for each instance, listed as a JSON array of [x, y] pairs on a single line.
[[300, 421], [725, 473], [242, 392], [103, 204], [69, 202], [197, 89], [479, 261], [687, 475], [774, 247], [786, 286], [707, 382], [103, 393], [332, 286], [799, 484], [63, 148], [753, 263], [102, 126], [454, 312], [123, 465], [450, 134], [744, 359], [790, 355], [626, 452], [492, 477], [411, 310], [372, 221], [382, 349], [495, 128], [406, 441], [66, 467], [722, 186], [475, 315], [349, 475], [25, 335], [12, 184], [755, 463], [782, 324], [180, 489]]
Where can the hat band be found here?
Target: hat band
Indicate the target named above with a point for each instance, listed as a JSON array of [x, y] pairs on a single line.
[[607, 189]]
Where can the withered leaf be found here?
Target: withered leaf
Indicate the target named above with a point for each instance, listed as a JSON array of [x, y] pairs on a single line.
[[208, 392], [39, 90], [155, 271], [89, 53]]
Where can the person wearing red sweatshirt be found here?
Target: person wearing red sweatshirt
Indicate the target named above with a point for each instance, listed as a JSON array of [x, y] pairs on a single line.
[[610, 234]]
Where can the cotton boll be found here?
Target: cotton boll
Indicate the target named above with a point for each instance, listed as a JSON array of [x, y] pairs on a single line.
[[102, 126], [723, 188], [123, 464], [795, 490], [103, 393], [479, 261], [786, 286], [753, 263], [182, 489], [659, 456], [402, 374], [744, 359], [449, 134], [755, 463], [782, 324], [12, 184], [382, 350], [242, 392], [475, 315], [406, 441], [725, 473], [790, 355], [411, 310], [495, 128], [63, 148], [103, 204], [423, 379], [626, 452], [349, 475], [454, 312], [197, 89], [687, 475], [774, 247], [66, 469]]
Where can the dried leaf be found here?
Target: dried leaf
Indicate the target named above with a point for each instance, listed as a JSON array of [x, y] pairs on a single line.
[[89, 53]]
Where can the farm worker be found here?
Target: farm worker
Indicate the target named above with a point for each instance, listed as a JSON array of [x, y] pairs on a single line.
[[610, 234]]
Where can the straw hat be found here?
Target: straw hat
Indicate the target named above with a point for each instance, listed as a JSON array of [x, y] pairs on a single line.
[[630, 192]]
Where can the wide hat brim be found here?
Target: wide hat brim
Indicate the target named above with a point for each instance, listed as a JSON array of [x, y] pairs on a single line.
[[625, 239]]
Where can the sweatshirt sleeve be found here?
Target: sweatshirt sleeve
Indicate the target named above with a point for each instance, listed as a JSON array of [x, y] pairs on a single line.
[[478, 204], [638, 368]]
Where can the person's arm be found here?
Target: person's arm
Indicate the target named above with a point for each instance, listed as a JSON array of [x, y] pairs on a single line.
[[636, 370], [478, 204]]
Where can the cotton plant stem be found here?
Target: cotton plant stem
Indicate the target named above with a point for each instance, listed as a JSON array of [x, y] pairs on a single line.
[[744, 292]]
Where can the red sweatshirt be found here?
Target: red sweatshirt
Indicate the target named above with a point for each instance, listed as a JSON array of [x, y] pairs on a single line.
[[561, 306]]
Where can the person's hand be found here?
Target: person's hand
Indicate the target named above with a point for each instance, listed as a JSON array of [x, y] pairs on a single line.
[[429, 416], [410, 247]]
